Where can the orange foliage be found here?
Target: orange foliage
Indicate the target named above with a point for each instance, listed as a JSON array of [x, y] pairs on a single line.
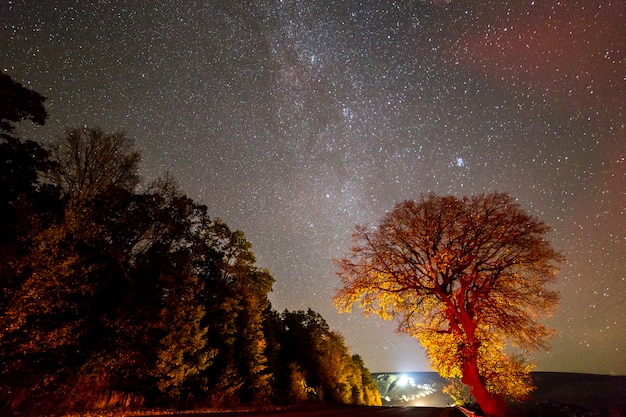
[[466, 277]]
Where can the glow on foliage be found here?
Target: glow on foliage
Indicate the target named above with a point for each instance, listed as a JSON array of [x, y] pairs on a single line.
[[467, 278]]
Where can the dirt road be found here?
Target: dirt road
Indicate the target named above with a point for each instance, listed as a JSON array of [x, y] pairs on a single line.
[[347, 411]]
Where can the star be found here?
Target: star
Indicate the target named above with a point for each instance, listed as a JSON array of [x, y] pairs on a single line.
[[295, 121]]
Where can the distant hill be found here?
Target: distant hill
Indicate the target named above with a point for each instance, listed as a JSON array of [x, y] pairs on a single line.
[[423, 389], [604, 393], [582, 394]]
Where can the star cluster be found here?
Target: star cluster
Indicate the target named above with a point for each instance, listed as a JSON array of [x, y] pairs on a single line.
[[294, 120]]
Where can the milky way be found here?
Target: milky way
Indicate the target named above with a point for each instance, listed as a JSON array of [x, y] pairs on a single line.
[[295, 120]]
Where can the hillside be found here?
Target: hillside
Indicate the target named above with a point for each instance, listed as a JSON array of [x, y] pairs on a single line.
[[603, 393]]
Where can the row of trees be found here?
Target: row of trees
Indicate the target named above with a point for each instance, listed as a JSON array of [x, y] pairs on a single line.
[[115, 297]]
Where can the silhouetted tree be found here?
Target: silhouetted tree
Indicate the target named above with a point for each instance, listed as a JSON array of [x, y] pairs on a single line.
[[93, 162], [26, 201], [465, 277], [18, 103], [28, 204]]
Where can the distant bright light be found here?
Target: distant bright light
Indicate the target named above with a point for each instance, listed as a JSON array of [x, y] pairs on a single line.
[[403, 380]]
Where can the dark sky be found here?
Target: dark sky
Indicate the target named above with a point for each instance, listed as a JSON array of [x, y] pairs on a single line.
[[293, 120]]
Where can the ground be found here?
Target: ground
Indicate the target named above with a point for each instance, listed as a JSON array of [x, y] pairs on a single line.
[[344, 411]]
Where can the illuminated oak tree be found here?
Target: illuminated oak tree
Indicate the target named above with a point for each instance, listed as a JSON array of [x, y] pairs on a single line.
[[467, 278]]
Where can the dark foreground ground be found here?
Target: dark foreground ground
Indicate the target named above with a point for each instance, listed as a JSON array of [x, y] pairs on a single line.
[[343, 411], [530, 410], [557, 395]]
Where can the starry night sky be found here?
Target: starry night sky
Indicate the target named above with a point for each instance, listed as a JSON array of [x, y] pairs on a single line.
[[294, 120]]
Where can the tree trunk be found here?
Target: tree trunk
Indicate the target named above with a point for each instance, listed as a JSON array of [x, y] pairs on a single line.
[[493, 405]]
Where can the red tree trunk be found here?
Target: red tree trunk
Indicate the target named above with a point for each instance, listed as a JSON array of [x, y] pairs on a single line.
[[493, 405]]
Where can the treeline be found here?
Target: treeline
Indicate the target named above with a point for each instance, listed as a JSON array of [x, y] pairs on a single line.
[[115, 296]]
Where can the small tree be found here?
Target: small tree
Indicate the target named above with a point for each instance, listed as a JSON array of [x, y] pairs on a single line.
[[94, 162], [466, 277]]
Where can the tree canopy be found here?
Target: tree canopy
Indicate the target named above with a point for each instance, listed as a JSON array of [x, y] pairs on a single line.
[[114, 297], [26, 202], [465, 276], [18, 103]]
